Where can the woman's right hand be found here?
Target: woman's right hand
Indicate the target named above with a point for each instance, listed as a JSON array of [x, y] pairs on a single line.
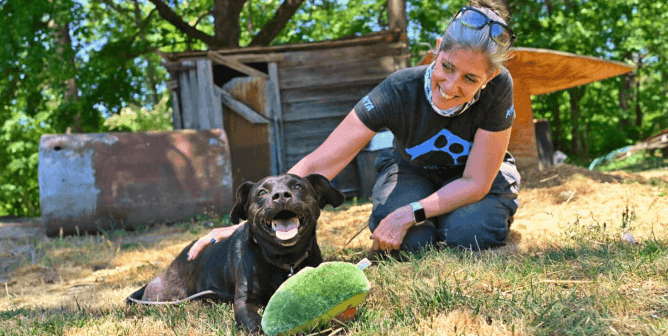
[[214, 236]]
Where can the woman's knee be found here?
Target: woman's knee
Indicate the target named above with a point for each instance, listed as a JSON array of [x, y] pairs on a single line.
[[419, 237], [478, 226]]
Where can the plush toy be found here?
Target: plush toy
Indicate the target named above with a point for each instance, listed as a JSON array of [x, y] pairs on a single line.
[[314, 296]]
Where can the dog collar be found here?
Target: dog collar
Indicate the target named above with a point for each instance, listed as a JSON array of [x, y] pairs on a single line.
[[289, 267]]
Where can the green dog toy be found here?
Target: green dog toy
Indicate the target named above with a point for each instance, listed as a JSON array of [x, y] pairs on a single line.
[[315, 296]]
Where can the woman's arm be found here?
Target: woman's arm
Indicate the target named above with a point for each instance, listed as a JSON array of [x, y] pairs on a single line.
[[482, 166], [340, 147]]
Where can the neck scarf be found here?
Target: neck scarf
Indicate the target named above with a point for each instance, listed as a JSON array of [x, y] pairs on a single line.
[[457, 110]]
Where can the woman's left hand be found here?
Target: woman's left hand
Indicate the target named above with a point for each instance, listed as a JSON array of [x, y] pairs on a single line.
[[392, 229]]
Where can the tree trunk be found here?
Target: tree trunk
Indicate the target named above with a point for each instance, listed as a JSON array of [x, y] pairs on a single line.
[[576, 134], [65, 50], [639, 114], [396, 15], [557, 123], [226, 14], [585, 141], [625, 93], [270, 30]]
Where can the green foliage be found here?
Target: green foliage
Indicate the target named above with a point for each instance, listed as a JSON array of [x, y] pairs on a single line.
[[139, 118], [427, 21], [315, 20], [618, 30], [19, 142], [114, 61]]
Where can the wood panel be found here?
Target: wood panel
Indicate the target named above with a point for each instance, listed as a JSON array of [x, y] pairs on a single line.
[[328, 94], [360, 51], [240, 108], [337, 71], [306, 111], [205, 94], [186, 100], [295, 131], [273, 101], [249, 143], [523, 135], [176, 109], [194, 98]]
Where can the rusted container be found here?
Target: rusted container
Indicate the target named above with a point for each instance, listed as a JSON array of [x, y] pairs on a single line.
[[103, 181]]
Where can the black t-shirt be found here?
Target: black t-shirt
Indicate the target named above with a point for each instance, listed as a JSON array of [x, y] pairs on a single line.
[[421, 136]]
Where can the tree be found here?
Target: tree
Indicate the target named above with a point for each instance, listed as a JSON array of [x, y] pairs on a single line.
[[226, 17], [599, 117]]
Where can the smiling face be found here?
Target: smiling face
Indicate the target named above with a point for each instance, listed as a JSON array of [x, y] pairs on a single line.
[[457, 76], [282, 210], [283, 207]]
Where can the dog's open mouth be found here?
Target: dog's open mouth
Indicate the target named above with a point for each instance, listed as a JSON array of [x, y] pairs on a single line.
[[285, 225]]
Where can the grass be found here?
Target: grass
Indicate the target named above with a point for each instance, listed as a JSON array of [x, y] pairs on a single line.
[[571, 268], [638, 161], [587, 282]]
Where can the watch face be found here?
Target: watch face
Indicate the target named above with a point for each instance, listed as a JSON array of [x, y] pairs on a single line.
[[418, 212], [420, 215]]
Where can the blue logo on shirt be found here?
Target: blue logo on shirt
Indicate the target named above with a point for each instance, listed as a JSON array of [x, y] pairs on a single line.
[[443, 141], [367, 103]]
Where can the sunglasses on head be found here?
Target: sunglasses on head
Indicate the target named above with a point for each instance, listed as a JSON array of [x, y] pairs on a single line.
[[475, 19]]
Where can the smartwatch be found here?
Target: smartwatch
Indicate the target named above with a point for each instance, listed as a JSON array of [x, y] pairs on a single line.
[[418, 212]]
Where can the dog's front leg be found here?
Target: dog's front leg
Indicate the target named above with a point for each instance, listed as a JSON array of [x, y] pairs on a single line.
[[245, 314]]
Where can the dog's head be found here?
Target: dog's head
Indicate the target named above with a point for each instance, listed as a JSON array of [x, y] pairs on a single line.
[[284, 208]]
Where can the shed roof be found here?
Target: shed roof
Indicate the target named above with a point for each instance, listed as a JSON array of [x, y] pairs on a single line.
[[545, 71], [271, 52]]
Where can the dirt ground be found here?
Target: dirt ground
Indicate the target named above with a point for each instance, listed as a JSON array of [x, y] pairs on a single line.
[[552, 202]]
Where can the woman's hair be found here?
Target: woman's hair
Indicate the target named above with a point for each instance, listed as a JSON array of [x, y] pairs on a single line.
[[458, 36]]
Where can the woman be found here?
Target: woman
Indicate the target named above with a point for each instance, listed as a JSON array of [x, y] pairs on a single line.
[[448, 178]]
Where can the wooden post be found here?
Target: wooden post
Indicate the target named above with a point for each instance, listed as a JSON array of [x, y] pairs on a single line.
[[205, 96], [273, 95], [173, 86], [194, 97], [186, 98]]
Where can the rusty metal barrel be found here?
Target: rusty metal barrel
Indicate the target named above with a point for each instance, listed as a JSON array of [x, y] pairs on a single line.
[[109, 181]]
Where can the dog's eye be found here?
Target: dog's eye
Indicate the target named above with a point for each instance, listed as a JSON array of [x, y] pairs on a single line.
[[261, 192], [299, 186]]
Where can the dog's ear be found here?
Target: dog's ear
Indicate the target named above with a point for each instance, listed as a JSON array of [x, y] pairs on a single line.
[[240, 208], [325, 192]]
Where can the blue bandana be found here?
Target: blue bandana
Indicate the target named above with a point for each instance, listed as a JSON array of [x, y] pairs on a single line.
[[457, 110]]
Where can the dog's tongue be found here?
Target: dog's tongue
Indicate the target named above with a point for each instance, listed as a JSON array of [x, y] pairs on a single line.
[[286, 228]]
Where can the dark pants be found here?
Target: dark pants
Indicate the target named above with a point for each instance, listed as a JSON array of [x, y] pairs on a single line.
[[480, 225]]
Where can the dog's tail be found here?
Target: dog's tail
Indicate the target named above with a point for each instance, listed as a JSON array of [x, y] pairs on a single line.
[[136, 298]]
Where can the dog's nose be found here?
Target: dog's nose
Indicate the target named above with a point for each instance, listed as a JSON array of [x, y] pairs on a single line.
[[281, 196]]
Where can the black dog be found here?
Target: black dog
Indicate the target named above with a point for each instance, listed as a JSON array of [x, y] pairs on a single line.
[[277, 240]]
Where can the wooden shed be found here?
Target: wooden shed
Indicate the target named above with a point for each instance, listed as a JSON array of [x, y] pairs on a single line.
[[279, 103], [540, 71]]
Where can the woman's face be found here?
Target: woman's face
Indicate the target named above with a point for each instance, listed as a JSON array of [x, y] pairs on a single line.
[[457, 76]]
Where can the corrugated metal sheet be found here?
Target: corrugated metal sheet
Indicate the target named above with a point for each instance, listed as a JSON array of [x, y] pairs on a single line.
[[126, 180]]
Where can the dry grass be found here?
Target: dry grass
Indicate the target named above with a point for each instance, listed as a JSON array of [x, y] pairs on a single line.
[[561, 255]]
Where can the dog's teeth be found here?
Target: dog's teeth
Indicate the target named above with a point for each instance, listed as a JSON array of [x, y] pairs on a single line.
[[273, 226]]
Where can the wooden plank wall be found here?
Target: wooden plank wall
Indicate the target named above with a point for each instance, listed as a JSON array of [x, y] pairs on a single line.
[[249, 142], [318, 88], [197, 104]]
